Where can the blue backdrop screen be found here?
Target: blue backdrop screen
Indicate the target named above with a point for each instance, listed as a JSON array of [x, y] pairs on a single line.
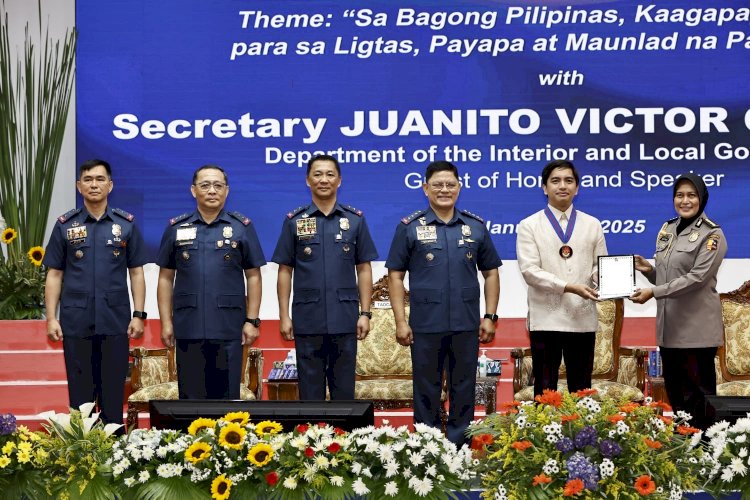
[[633, 93]]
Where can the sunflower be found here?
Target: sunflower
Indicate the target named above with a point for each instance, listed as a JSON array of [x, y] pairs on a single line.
[[198, 451], [238, 417], [260, 454], [220, 487], [232, 436], [201, 424], [9, 234], [268, 427], [36, 254]]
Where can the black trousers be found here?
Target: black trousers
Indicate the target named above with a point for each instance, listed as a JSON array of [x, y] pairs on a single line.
[[690, 376], [547, 350], [326, 360], [96, 367], [456, 353], [209, 369]]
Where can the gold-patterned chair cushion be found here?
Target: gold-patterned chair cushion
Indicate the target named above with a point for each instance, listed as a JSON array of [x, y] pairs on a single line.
[[169, 390], [604, 388], [738, 388], [383, 389], [154, 370], [736, 319], [379, 353]]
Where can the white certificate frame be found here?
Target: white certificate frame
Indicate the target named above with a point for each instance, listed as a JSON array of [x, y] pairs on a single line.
[[616, 276]]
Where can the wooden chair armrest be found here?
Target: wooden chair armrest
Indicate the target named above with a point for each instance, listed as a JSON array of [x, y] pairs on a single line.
[[640, 354], [518, 354]]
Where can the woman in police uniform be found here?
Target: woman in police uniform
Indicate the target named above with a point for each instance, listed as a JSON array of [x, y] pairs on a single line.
[[689, 251]]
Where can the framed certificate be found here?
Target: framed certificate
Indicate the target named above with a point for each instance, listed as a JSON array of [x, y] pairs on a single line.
[[616, 276]]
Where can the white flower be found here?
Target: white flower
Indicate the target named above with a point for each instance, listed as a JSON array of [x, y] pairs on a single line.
[[550, 467], [321, 461], [143, 476], [109, 429], [391, 468], [129, 481], [359, 487], [742, 453], [741, 438], [391, 489], [738, 466], [86, 409], [356, 468], [727, 475], [431, 470], [337, 480], [431, 448], [607, 467], [421, 487], [290, 483]]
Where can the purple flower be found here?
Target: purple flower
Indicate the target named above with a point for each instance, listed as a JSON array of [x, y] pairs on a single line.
[[579, 467], [565, 445], [7, 424], [586, 437], [609, 448]]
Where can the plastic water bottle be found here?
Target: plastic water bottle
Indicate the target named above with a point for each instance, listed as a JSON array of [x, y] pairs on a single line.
[[291, 359], [482, 363]]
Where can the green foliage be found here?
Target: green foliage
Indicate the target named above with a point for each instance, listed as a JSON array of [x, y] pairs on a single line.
[[21, 289], [35, 91]]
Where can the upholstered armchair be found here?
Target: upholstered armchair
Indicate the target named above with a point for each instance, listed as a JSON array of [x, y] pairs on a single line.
[[619, 372], [154, 376], [384, 371], [733, 358]]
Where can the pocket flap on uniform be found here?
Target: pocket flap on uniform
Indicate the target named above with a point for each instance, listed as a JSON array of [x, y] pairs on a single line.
[[347, 294], [231, 301], [470, 293], [426, 296], [306, 295], [185, 300], [74, 299], [118, 297]]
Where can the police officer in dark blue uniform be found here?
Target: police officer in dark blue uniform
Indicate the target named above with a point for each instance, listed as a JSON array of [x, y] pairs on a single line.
[[87, 256], [207, 258], [442, 247], [323, 245]]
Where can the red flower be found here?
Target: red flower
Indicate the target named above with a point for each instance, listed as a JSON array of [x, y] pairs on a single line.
[[338, 431], [685, 430], [508, 405], [302, 428], [644, 485], [573, 487], [521, 445], [272, 478], [585, 392], [479, 441], [629, 407], [615, 418], [569, 418], [542, 479], [309, 452], [652, 444], [322, 424], [334, 447], [549, 397]]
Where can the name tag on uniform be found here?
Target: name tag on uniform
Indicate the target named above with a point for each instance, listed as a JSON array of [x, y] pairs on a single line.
[[426, 233], [187, 233], [307, 227]]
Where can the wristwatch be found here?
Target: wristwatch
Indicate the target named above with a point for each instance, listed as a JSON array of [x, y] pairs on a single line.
[[366, 313], [493, 317], [253, 321], [139, 314]]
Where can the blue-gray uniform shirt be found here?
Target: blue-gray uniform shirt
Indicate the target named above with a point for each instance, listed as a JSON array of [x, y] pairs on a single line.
[[210, 259], [324, 252], [94, 256], [442, 261]]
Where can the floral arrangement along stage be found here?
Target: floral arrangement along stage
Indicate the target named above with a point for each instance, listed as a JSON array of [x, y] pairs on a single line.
[[571, 445], [729, 445], [21, 278]]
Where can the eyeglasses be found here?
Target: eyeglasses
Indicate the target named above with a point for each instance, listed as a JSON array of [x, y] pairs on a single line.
[[206, 186], [439, 186]]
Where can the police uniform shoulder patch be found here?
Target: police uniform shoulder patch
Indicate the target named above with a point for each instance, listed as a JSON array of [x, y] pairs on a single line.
[[473, 216], [67, 215], [179, 218], [297, 210], [411, 217], [710, 223], [353, 210], [245, 220], [122, 213]]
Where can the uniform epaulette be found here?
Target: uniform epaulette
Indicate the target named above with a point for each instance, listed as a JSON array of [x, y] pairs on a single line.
[[179, 218], [474, 216], [673, 219], [413, 216], [245, 220], [67, 215], [710, 223], [296, 211], [122, 213], [353, 210]]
